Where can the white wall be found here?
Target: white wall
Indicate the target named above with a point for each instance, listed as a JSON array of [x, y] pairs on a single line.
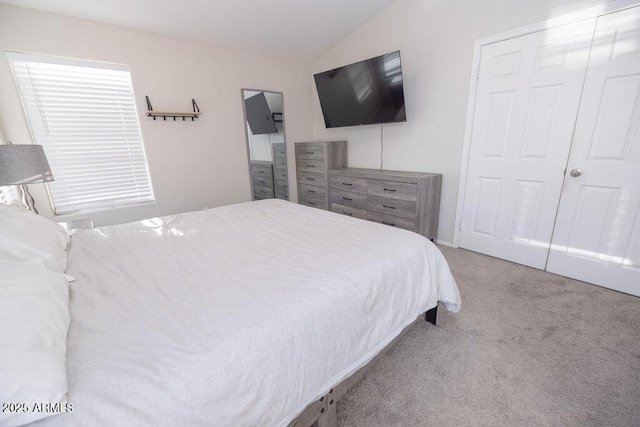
[[436, 39], [192, 164]]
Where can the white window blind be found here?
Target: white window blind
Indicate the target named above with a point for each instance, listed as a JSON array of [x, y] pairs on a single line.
[[84, 115]]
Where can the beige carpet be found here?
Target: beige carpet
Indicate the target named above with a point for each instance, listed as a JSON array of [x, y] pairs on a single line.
[[527, 348]]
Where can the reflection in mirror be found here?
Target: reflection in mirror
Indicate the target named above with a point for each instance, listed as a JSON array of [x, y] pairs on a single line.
[[264, 123]]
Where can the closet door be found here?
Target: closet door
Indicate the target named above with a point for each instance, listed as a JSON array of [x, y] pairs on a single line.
[[526, 106], [597, 234]]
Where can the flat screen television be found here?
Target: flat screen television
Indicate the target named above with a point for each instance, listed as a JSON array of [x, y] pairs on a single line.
[[364, 93], [259, 115]]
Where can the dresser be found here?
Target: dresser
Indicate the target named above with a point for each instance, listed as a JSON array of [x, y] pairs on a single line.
[[408, 200], [279, 156], [262, 179], [313, 161]]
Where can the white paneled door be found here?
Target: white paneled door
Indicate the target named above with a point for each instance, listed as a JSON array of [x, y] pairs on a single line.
[[597, 236], [527, 102]]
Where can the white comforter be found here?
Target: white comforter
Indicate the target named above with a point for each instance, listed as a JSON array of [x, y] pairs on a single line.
[[240, 315]]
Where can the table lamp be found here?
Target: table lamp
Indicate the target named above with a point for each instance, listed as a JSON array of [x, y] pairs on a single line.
[[22, 165]]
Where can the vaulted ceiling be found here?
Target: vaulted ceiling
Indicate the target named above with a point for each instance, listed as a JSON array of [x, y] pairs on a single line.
[[295, 29]]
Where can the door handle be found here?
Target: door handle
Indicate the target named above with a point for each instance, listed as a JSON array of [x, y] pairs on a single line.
[[575, 173]]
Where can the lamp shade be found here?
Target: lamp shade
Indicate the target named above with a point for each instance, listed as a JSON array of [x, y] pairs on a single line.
[[23, 164]]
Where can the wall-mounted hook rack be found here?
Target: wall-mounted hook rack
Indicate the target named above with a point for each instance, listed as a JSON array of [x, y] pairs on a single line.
[[164, 114]]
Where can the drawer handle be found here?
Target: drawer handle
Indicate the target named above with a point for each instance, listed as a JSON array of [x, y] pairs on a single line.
[[393, 224], [311, 203], [310, 166], [389, 189], [346, 183], [311, 191], [347, 198], [262, 191], [388, 207], [311, 179], [260, 171], [347, 213], [309, 152]]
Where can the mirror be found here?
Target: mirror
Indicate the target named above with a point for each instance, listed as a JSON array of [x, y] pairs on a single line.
[[264, 127]]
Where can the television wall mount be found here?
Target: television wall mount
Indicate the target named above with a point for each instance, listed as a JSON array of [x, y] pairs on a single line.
[[175, 114]]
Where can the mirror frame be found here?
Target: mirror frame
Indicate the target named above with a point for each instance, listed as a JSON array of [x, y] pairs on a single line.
[[246, 138]]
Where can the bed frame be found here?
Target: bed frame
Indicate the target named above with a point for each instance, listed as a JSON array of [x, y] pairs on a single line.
[[322, 412]]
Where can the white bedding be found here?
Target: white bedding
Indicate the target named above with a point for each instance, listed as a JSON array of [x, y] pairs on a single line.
[[240, 315]]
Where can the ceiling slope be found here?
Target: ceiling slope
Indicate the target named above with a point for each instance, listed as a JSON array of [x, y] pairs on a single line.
[[299, 30]]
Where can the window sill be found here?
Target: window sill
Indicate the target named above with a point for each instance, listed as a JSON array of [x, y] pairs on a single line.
[[81, 213]]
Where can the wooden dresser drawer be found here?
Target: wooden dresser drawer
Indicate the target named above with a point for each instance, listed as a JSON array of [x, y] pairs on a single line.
[[316, 166], [399, 208], [282, 175], [347, 198], [312, 190], [357, 185], [262, 171], [316, 179], [263, 192], [262, 181], [280, 163], [310, 152], [394, 221], [393, 189], [280, 152], [409, 200], [313, 159], [349, 211], [282, 191], [313, 201]]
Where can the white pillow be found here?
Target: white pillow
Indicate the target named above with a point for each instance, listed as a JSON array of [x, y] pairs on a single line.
[[29, 237], [34, 322]]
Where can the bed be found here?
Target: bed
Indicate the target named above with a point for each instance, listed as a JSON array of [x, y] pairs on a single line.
[[248, 314]]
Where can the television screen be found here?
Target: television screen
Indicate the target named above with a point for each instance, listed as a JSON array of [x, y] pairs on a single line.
[[364, 93], [259, 115]]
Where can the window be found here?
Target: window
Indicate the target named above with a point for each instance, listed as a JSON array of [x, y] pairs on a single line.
[[84, 115]]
